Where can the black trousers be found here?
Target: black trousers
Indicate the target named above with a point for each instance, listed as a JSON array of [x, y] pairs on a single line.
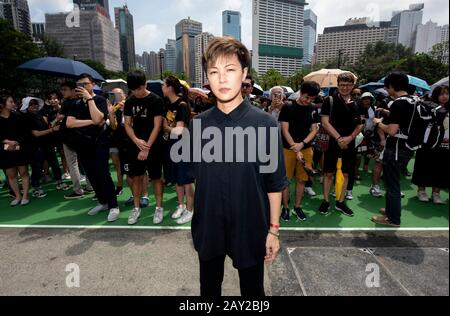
[[95, 160], [212, 273]]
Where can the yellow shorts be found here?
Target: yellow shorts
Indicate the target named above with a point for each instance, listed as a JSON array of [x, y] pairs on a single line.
[[295, 167]]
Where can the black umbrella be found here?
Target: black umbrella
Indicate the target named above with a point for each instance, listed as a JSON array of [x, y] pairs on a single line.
[[59, 67]]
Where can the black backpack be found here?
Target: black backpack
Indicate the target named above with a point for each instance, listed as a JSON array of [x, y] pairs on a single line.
[[425, 128]]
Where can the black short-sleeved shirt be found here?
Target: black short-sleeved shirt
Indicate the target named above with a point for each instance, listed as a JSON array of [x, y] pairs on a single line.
[[344, 117], [401, 114], [178, 112], [80, 110], [15, 128], [143, 111], [66, 107], [36, 122], [300, 119], [232, 211]]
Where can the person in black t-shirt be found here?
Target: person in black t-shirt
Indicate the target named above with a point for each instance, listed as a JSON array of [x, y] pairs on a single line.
[[87, 118], [73, 163], [144, 112], [14, 150], [177, 118], [44, 150], [396, 154], [299, 124], [342, 120]]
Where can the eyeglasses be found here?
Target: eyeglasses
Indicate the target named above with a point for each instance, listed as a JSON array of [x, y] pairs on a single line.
[[346, 85]]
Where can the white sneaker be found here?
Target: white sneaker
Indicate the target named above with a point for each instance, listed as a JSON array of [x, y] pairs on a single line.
[[99, 208], [437, 199], [66, 176], [186, 218], [24, 202], [114, 214], [159, 216], [15, 203], [134, 217], [310, 192], [39, 193], [179, 212], [423, 197], [375, 191], [349, 195]]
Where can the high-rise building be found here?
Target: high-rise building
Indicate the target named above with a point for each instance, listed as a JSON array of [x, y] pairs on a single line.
[[2, 12], [427, 37], [18, 12], [201, 44], [278, 35], [170, 57], [185, 32], [444, 34], [231, 24], [309, 36], [101, 6], [38, 31], [407, 22], [95, 38], [348, 42], [124, 24], [150, 63]]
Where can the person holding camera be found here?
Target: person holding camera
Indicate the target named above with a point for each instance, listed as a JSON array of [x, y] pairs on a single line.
[[299, 124], [87, 119]]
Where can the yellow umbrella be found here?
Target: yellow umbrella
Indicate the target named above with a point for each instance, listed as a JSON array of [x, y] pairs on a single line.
[[327, 77]]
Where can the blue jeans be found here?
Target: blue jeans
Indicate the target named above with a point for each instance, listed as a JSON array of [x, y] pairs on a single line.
[[393, 166]]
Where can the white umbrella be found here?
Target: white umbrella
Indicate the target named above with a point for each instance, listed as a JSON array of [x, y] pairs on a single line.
[[442, 82]]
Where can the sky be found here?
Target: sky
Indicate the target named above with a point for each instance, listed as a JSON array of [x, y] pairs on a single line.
[[154, 20]]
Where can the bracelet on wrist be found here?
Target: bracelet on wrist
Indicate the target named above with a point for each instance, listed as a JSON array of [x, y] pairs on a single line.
[[274, 234], [275, 226]]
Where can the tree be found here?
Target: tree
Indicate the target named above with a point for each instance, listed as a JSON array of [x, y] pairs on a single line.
[[17, 48], [440, 52], [423, 66], [296, 79], [379, 59], [51, 48], [271, 79], [101, 69]]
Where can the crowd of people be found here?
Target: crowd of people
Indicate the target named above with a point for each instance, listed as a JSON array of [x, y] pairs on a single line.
[[236, 207], [132, 130]]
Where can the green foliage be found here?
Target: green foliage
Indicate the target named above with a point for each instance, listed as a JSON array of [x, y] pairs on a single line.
[[423, 66], [271, 79]]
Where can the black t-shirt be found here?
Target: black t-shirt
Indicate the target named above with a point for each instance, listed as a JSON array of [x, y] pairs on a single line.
[[178, 112], [15, 128], [143, 111], [36, 122], [66, 107], [401, 114], [80, 110], [344, 117], [300, 119]]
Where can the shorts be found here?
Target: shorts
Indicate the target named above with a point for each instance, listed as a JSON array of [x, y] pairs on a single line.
[[113, 150], [333, 154], [293, 166], [133, 167]]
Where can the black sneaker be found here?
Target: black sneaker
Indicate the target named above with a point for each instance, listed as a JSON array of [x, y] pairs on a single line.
[[286, 214], [344, 209], [324, 208], [88, 191], [74, 196], [300, 214]]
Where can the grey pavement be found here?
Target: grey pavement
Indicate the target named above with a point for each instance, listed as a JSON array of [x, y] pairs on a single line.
[[154, 263]]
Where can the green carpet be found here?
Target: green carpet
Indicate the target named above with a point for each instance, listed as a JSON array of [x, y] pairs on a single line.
[[54, 211]]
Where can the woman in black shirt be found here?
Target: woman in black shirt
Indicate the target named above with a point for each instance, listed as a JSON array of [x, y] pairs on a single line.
[[177, 118], [14, 150]]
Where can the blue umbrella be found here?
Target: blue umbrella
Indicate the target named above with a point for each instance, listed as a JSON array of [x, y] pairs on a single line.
[[155, 86], [59, 67], [417, 82], [372, 86]]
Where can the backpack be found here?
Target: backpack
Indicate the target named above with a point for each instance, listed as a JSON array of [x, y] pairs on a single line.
[[425, 128]]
